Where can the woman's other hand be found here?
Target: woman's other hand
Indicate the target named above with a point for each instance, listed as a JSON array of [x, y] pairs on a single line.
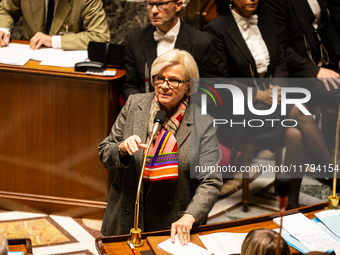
[[131, 145], [266, 96], [182, 228]]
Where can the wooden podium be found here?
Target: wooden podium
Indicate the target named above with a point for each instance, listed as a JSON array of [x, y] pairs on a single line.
[[52, 121], [116, 245]]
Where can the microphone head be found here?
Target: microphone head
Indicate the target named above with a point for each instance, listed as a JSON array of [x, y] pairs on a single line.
[[160, 117], [283, 185]]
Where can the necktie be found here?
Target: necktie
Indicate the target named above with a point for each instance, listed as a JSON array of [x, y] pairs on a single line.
[[158, 36], [253, 19], [50, 12]]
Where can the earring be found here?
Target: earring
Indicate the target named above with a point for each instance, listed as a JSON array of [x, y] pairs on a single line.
[[230, 5]]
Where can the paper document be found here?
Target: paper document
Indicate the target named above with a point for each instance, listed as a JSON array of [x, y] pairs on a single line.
[[337, 249], [307, 232], [15, 54], [19, 54], [331, 219], [59, 57], [223, 243], [177, 249]]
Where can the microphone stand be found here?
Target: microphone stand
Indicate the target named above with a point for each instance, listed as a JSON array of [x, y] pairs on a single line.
[[333, 200], [135, 232]]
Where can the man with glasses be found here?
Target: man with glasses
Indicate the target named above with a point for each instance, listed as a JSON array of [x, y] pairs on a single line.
[[166, 32]]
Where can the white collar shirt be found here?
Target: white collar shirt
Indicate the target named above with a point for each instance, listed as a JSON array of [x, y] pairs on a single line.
[[164, 45], [254, 40], [316, 9]]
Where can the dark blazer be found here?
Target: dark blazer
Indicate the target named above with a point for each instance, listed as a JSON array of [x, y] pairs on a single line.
[[165, 201], [238, 61], [236, 56], [334, 9], [293, 19], [142, 48]]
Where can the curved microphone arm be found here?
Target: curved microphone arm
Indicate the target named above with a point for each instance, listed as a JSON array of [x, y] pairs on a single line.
[[135, 232], [157, 126]]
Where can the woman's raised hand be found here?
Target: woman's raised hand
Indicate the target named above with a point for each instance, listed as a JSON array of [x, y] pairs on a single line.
[[131, 145]]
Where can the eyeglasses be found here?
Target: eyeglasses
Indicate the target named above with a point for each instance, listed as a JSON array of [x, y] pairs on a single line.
[[159, 5], [159, 80]]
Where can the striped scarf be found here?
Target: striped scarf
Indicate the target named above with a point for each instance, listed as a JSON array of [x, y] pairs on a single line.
[[162, 162]]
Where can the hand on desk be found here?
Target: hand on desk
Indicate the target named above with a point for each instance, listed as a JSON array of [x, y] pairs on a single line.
[[182, 228], [39, 40], [6, 41]]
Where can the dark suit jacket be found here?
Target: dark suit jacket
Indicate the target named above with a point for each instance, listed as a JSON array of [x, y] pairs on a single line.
[[165, 201], [334, 8], [142, 48], [236, 56], [237, 59], [293, 19]]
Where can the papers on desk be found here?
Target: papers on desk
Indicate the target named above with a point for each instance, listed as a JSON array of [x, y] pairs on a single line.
[[216, 244], [337, 249], [176, 248], [59, 57], [308, 234], [223, 243], [331, 219], [15, 54], [19, 54]]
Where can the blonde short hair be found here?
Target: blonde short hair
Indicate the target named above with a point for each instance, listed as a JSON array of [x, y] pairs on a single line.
[[263, 242], [178, 57]]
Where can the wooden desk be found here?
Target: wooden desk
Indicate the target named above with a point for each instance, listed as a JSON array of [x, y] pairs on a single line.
[[116, 245], [52, 121], [22, 244]]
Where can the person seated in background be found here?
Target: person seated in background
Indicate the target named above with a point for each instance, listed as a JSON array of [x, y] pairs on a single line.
[[263, 242], [312, 50], [310, 43], [334, 9], [3, 245], [247, 41], [166, 32], [169, 199], [65, 24]]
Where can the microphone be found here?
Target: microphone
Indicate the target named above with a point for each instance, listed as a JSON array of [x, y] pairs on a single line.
[[158, 122], [283, 184], [135, 232]]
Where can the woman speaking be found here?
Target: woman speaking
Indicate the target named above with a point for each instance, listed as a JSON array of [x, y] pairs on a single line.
[[170, 198]]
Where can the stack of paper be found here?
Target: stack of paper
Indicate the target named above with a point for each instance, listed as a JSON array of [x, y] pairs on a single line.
[[331, 219], [15, 54], [223, 243], [59, 57], [19, 54], [176, 248], [307, 235]]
